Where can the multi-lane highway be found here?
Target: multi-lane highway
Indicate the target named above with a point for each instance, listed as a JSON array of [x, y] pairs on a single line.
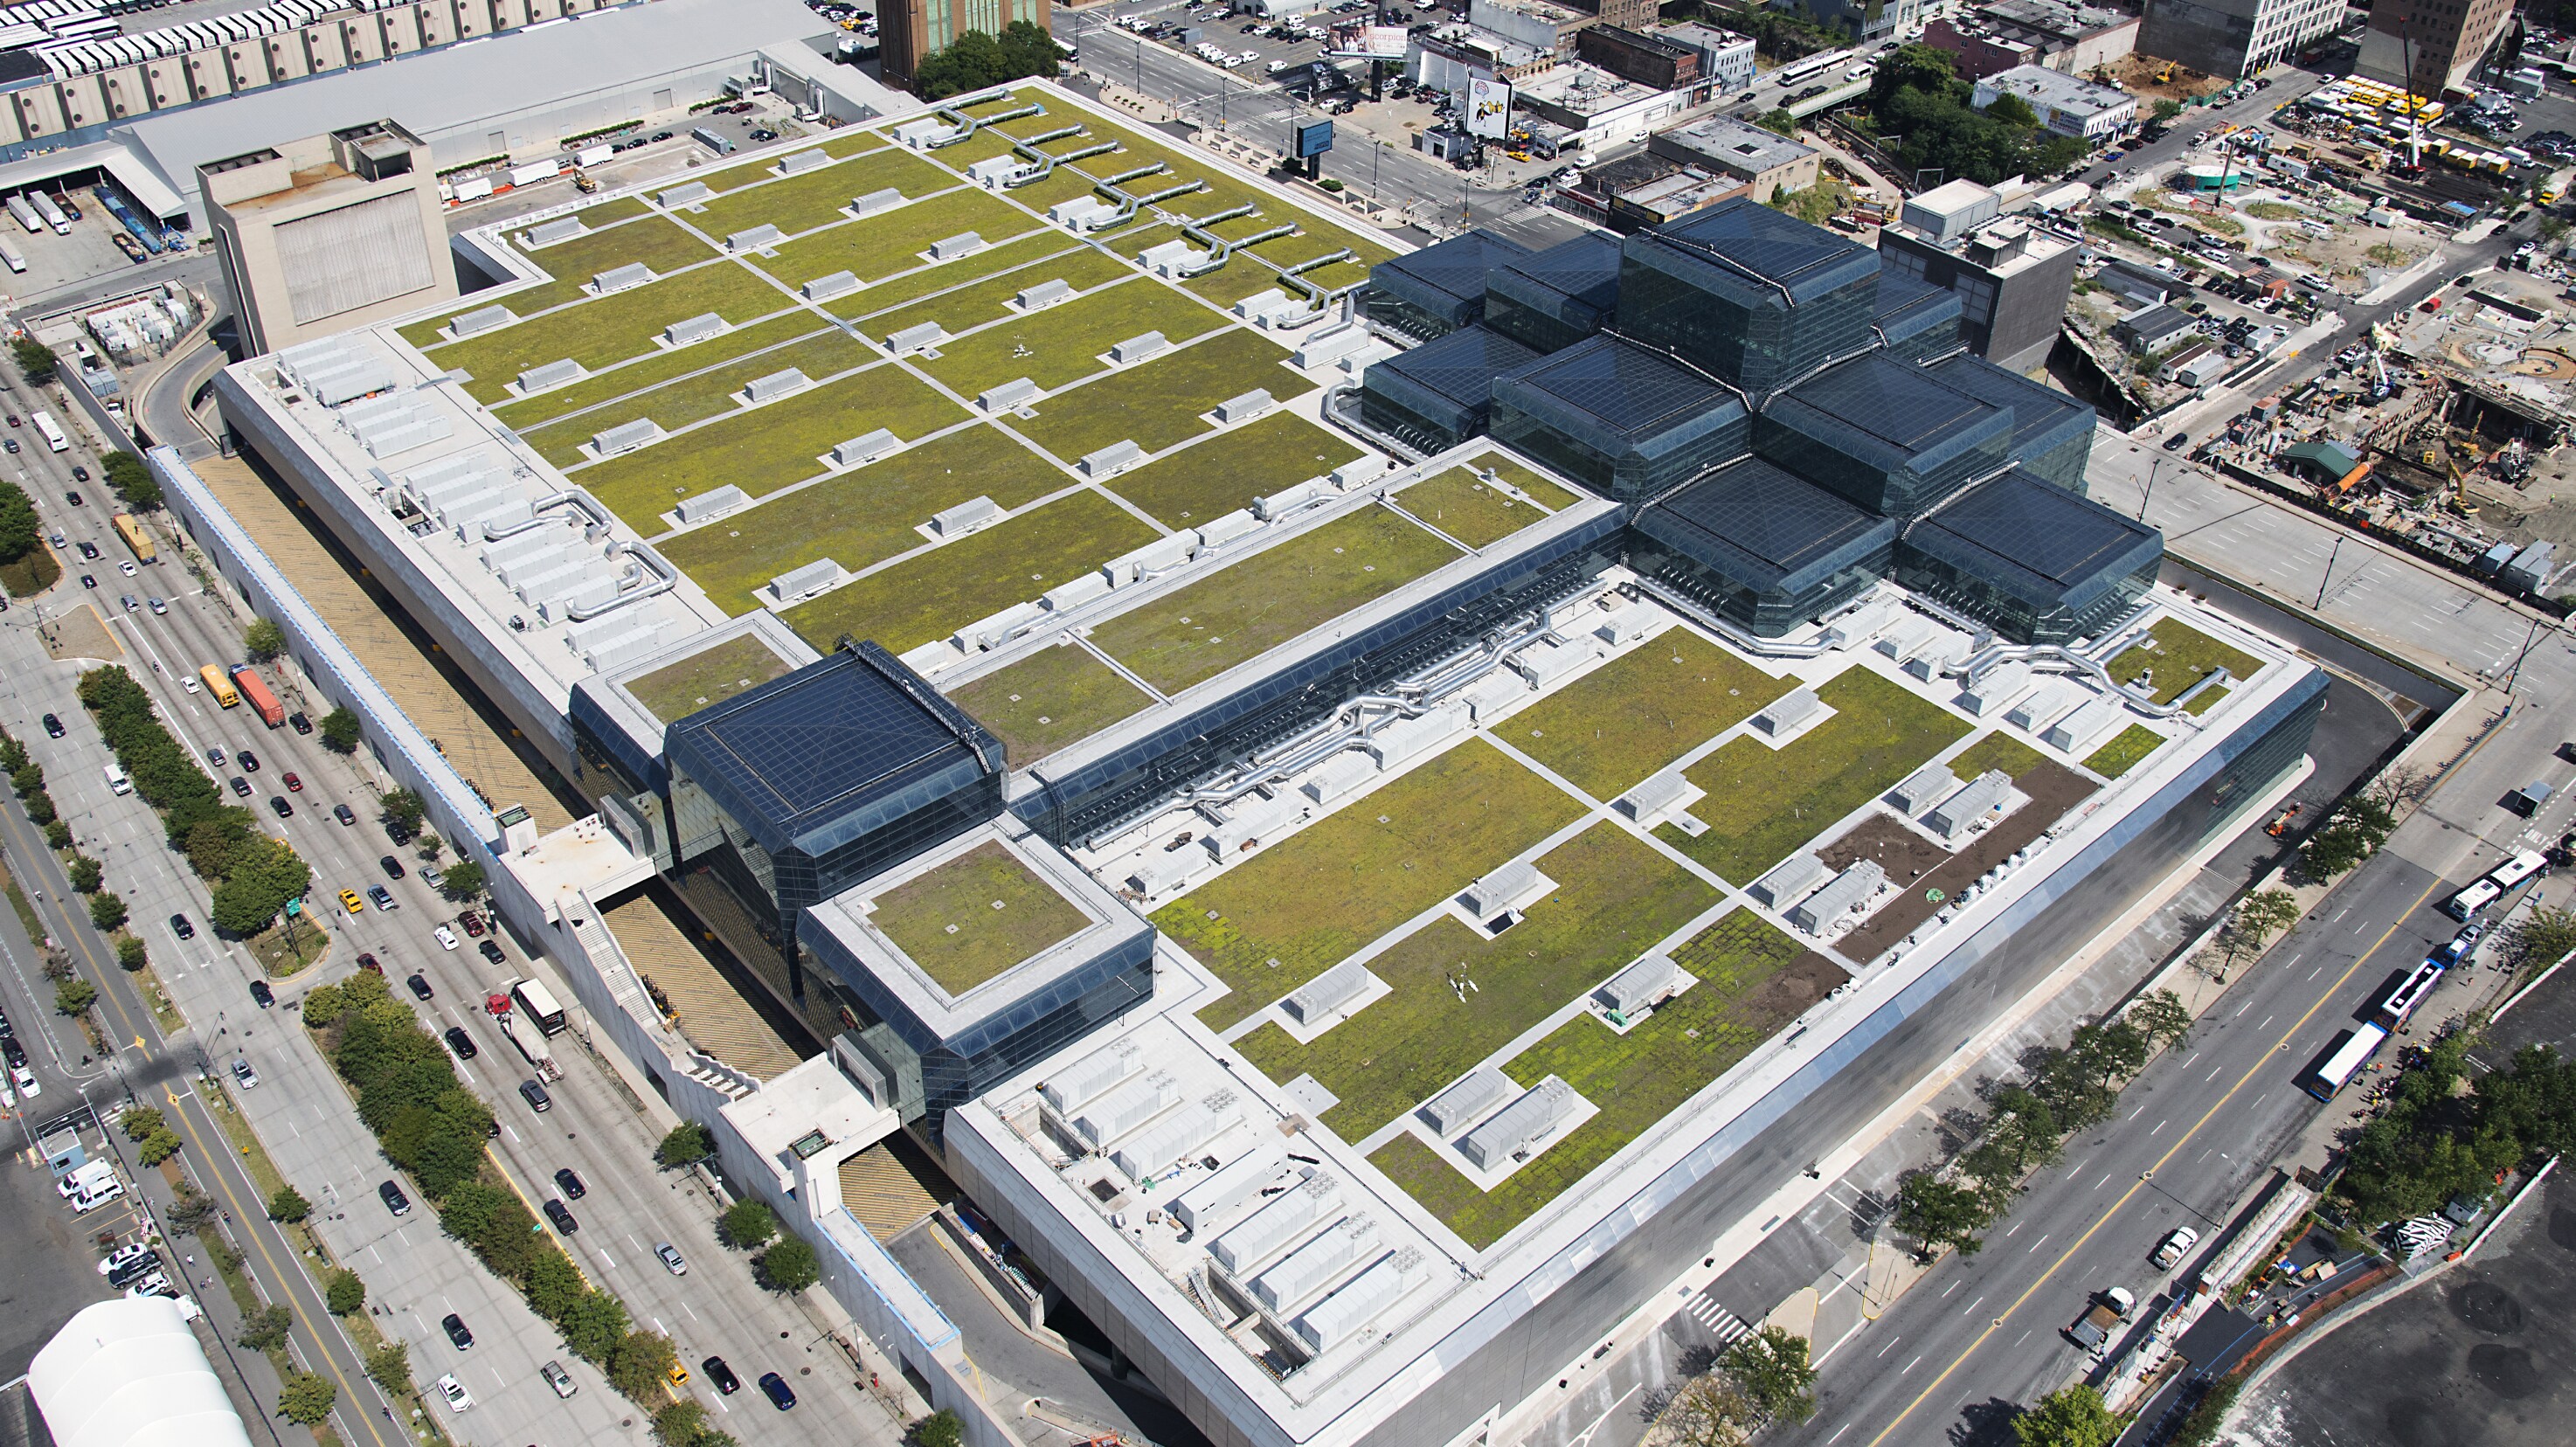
[[599, 1127]]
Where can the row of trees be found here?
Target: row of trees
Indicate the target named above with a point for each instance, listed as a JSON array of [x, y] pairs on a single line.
[[433, 1127], [1921, 110], [72, 994], [977, 59], [2448, 1131], [253, 874], [2026, 1125]]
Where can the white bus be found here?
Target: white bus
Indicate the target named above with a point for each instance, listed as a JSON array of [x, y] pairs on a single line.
[[2491, 886], [1813, 65], [539, 1005], [51, 430], [2347, 1057]]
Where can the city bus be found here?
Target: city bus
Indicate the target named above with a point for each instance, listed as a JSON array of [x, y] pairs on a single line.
[[219, 685], [2491, 886], [135, 537], [51, 430], [1813, 65], [2341, 1062], [2410, 992]]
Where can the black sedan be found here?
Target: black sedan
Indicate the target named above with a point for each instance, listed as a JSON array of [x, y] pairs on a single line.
[[461, 1043], [454, 1325]]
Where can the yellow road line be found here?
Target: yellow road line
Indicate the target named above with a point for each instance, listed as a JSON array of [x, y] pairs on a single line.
[[2139, 1184]]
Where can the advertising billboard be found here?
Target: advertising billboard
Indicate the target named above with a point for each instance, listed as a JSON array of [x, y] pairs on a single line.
[[1370, 42], [1489, 108], [1311, 139]]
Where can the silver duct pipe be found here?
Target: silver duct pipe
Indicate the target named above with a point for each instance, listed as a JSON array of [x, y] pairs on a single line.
[[665, 578]]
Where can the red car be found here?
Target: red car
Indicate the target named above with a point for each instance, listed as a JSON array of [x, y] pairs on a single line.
[[473, 922], [294, 785], [368, 964]]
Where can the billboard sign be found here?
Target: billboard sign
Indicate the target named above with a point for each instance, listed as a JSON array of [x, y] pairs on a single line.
[[1489, 108], [1370, 42], [1311, 139]]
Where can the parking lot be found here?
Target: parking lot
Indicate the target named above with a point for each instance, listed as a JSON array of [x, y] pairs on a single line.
[[1253, 52], [56, 261]]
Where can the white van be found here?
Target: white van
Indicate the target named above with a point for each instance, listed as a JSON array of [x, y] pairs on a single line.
[[117, 783]]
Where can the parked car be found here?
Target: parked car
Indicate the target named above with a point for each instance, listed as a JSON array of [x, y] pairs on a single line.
[[391, 1193], [446, 937], [492, 952], [2174, 1247], [453, 1391], [472, 922], [420, 986], [457, 1332], [461, 1043], [299, 723], [179, 926]]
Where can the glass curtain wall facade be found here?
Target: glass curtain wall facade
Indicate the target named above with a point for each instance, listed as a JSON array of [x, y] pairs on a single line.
[[1744, 292], [1762, 549], [1884, 434], [1439, 394], [1552, 300], [1432, 292], [2039, 563], [2052, 432], [1620, 419]]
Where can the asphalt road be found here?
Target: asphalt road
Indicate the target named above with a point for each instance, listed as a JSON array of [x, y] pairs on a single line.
[[598, 1127]]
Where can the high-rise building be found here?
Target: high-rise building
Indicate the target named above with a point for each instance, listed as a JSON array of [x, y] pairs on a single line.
[[910, 30], [2445, 40], [327, 233], [2236, 37], [2012, 280]]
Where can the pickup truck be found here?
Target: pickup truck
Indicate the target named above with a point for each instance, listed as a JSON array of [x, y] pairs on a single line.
[[2092, 1331]]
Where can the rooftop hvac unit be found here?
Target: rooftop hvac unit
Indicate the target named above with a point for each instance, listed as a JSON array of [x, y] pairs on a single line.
[[1015, 393], [1407, 739], [1626, 625], [966, 517], [552, 374], [1157, 1146], [1788, 879], [1462, 1104], [1264, 1232], [550, 232], [1328, 992], [2043, 706], [625, 437], [689, 330], [481, 319], [1159, 556], [1491, 694], [776, 385], [1999, 686], [1520, 1125], [1311, 1267], [1510, 887], [1244, 408], [1075, 1085], [1953, 816], [1849, 889], [1788, 711], [1286, 500], [998, 629], [1642, 985], [991, 171], [713, 504], [1218, 531], [1655, 798], [1044, 294], [1215, 1199], [803, 161], [1171, 259], [1082, 213], [1339, 1317], [1124, 1109], [796, 585], [1116, 457], [823, 288], [1339, 775], [1261, 304], [2078, 731], [876, 201], [622, 278], [415, 430], [914, 338], [1160, 874], [689, 195], [1328, 347], [1905, 637], [1068, 596], [1138, 348], [1250, 823], [1922, 789], [952, 247], [1545, 663], [756, 239], [923, 134]]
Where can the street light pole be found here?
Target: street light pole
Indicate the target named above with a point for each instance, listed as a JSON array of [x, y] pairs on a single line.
[[2154, 465], [2319, 605]]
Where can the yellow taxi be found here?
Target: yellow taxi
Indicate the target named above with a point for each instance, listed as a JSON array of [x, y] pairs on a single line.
[[350, 901], [679, 1375]]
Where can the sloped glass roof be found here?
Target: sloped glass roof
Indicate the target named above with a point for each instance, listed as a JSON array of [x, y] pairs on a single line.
[[1763, 522], [1455, 268], [2036, 409], [1628, 389], [1808, 260], [1461, 366], [1586, 269], [1891, 400], [2033, 528]]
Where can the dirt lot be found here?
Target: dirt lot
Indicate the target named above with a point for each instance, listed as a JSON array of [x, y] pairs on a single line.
[[2136, 74], [1790, 993], [1904, 854], [2053, 789]]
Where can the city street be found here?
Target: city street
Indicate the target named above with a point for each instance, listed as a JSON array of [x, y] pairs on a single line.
[[598, 1127]]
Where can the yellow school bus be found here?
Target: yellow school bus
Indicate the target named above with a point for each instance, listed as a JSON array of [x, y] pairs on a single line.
[[220, 685]]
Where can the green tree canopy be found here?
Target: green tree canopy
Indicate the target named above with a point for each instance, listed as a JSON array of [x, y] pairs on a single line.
[[131, 478], [1938, 1213], [346, 1294], [978, 59], [289, 1205], [74, 997], [688, 1142], [746, 1224], [18, 526], [641, 1362], [389, 1367], [2012, 110], [263, 640], [340, 731], [1771, 1366], [266, 1329], [789, 1265], [402, 806], [2069, 1417], [34, 358], [306, 1399], [593, 1326], [464, 880]]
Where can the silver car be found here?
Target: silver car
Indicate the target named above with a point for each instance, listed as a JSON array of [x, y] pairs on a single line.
[[671, 1259]]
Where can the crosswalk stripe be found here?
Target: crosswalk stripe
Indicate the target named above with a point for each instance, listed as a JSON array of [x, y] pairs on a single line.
[[1720, 1323]]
